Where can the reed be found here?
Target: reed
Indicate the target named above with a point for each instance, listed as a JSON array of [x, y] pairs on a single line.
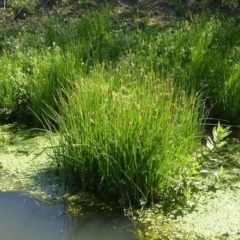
[[126, 138]]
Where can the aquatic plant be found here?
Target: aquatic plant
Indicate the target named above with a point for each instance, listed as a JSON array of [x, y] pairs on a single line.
[[219, 134], [126, 138], [214, 144], [211, 166], [126, 100]]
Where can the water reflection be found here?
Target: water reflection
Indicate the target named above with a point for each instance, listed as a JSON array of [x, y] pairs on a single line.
[[99, 224], [23, 218]]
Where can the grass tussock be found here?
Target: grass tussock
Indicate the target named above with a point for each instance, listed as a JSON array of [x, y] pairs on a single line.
[[126, 137]]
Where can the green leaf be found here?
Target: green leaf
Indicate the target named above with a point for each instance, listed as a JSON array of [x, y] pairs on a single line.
[[210, 144]]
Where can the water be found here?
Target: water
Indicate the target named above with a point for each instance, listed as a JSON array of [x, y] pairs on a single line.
[[24, 218]]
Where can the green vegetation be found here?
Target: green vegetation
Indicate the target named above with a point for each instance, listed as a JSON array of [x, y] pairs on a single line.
[[127, 136], [129, 103]]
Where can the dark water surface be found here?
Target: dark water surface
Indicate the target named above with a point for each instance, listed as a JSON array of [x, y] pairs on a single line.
[[24, 218]]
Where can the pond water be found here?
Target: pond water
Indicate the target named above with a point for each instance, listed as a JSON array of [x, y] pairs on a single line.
[[40, 213], [25, 218]]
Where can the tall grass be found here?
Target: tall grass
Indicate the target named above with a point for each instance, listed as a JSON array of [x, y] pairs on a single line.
[[67, 55], [52, 71], [92, 39], [12, 79], [126, 102], [230, 100], [197, 54], [126, 137]]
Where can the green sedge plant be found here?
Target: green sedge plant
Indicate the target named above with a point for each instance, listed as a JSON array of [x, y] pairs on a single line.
[[126, 138]]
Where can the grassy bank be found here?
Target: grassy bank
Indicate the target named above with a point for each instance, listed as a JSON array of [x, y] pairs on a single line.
[[128, 103]]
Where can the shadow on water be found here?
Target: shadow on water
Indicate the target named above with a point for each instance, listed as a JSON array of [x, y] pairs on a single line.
[[24, 218]]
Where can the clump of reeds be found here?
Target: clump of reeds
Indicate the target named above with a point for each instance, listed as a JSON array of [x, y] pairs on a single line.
[[127, 137]]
